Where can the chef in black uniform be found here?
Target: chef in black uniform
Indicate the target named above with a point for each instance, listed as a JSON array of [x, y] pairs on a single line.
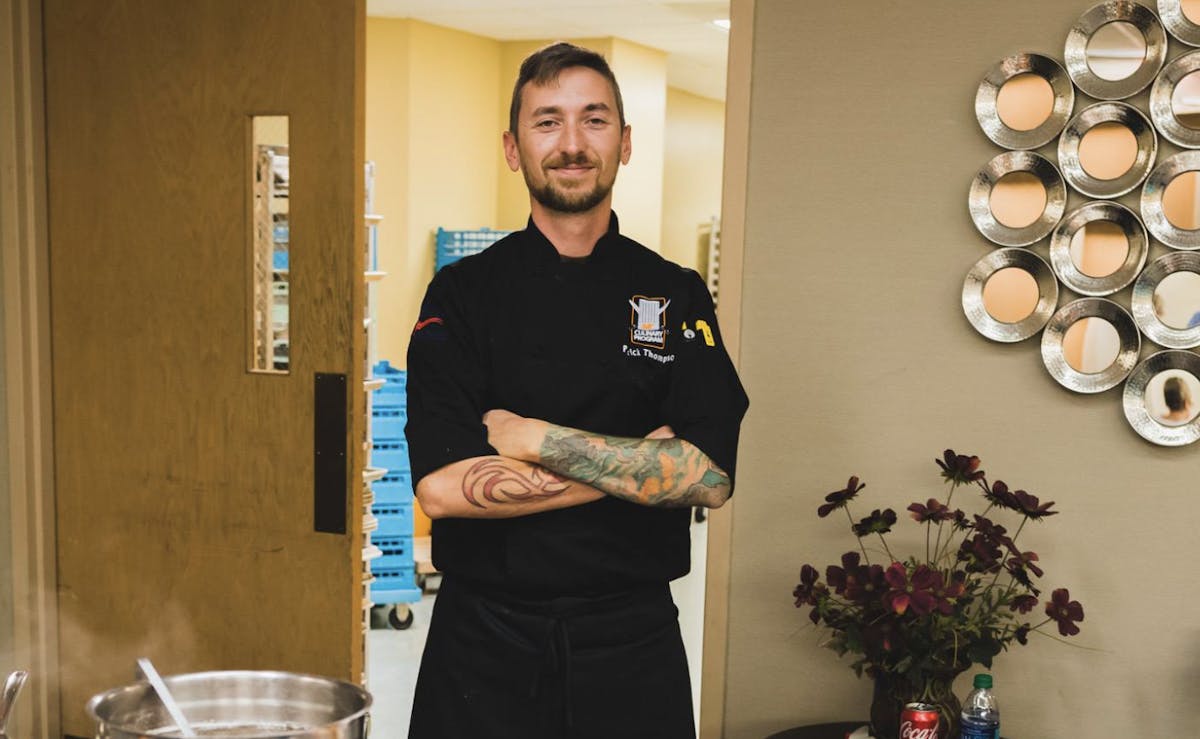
[[569, 401]]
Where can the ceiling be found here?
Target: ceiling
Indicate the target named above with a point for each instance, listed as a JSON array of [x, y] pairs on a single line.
[[684, 29]]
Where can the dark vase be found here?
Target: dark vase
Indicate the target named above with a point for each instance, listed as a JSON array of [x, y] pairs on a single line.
[[893, 692]]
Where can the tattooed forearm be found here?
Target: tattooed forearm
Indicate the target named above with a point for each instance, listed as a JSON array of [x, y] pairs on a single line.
[[656, 472], [495, 481]]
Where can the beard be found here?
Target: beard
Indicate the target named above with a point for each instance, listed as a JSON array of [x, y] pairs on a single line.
[[558, 199]]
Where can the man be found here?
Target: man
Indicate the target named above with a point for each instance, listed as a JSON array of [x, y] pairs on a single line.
[[569, 401]]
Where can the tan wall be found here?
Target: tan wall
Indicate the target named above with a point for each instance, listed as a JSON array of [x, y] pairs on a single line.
[[858, 360], [693, 142]]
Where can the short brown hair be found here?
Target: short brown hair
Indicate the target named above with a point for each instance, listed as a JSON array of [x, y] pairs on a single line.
[[546, 64]]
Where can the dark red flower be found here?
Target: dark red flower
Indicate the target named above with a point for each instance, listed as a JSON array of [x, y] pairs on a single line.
[[1023, 604], [865, 583], [1025, 560], [933, 510], [996, 534], [1065, 611], [837, 576], [980, 553], [806, 592], [1022, 633], [947, 594], [1028, 504], [839, 498], [959, 468], [915, 592], [1000, 495], [883, 636], [876, 523]]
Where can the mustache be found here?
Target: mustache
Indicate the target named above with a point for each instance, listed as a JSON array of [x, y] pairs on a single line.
[[567, 160]]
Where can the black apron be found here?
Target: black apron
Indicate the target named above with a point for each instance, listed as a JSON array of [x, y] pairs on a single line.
[[498, 667]]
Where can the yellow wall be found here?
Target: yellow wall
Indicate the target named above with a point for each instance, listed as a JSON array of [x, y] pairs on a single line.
[[638, 196], [858, 360], [397, 297], [693, 141], [433, 132]]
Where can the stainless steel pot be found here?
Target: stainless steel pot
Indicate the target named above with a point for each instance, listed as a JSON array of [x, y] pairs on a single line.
[[237, 704]]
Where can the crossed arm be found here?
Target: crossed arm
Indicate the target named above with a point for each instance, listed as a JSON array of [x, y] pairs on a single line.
[[544, 467]]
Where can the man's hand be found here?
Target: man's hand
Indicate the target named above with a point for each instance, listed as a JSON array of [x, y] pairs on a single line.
[[513, 436]]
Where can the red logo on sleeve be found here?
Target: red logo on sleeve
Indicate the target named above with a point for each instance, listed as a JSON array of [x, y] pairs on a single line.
[[422, 324]]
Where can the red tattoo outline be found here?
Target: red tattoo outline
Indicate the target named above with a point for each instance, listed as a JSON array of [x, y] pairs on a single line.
[[492, 477]]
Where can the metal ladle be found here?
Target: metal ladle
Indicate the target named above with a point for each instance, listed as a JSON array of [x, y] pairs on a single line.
[[168, 700], [12, 686]]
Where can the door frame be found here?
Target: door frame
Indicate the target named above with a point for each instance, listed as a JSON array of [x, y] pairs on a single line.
[[29, 429], [729, 312]]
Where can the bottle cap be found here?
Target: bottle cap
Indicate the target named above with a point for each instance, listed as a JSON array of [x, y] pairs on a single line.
[[983, 680]]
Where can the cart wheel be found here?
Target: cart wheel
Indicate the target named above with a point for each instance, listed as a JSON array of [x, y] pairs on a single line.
[[400, 624]]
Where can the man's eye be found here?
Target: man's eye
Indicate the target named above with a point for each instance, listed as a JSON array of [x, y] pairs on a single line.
[[544, 124]]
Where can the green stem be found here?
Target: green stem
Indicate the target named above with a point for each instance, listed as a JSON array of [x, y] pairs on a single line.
[[927, 528], [866, 557], [1019, 528], [938, 544], [886, 549]]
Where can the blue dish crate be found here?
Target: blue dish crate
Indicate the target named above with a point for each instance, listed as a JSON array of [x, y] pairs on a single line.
[[395, 521], [394, 585], [454, 245], [394, 488], [390, 454], [396, 379], [387, 421], [397, 550]]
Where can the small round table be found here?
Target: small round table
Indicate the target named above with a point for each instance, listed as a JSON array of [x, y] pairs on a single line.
[[819, 731]]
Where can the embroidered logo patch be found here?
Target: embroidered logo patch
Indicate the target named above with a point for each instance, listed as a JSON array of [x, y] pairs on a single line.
[[649, 321]]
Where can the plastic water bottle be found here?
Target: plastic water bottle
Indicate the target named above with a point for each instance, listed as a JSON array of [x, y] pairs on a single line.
[[980, 713]]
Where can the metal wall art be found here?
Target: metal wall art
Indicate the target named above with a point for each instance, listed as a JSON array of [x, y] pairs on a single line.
[[1107, 150], [1099, 247]]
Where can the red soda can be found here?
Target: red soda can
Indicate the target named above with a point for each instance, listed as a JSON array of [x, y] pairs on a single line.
[[919, 721]]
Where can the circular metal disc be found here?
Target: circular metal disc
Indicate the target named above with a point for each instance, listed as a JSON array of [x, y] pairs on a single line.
[[1134, 398], [1090, 382], [1088, 213], [1152, 195], [1091, 21], [1004, 70], [1171, 13], [979, 198], [972, 295], [1162, 94], [1143, 301], [1090, 117]]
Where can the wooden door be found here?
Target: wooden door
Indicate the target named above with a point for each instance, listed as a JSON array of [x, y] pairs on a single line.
[[188, 487]]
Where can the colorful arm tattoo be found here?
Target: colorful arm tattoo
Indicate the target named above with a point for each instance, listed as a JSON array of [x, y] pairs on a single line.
[[495, 480], [655, 472]]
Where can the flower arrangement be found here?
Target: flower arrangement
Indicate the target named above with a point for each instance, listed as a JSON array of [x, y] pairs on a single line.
[[913, 624]]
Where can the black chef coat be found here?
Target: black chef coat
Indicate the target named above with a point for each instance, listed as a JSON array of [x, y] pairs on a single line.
[[618, 343]]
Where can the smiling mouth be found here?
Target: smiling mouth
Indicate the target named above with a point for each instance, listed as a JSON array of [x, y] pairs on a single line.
[[573, 171]]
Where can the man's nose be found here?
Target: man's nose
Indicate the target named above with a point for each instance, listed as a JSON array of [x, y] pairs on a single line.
[[571, 141]]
